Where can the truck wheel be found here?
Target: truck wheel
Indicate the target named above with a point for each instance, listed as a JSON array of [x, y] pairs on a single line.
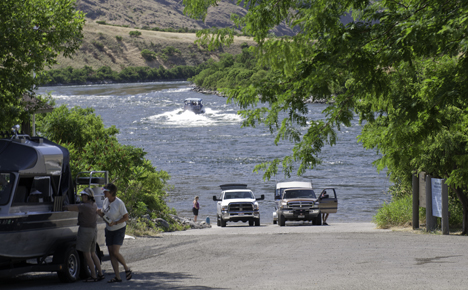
[[251, 223], [275, 222], [218, 222], [317, 221], [257, 222], [71, 265], [223, 222], [281, 221]]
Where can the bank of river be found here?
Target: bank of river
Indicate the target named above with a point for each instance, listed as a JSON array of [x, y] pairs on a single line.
[[200, 152]]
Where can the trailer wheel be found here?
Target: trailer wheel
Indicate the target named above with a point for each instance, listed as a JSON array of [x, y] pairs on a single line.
[[71, 265]]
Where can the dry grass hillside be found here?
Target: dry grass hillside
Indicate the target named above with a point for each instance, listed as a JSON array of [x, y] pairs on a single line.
[[111, 45], [162, 14], [105, 45]]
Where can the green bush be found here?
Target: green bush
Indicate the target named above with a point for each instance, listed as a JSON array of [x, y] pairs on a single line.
[[148, 54], [119, 38], [98, 45], [134, 33], [399, 212], [170, 50], [101, 22]]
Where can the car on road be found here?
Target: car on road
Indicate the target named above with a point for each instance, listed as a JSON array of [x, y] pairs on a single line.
[[237, 203]]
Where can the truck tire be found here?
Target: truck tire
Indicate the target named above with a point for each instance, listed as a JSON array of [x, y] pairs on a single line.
[[218, 222], [257, 222], [223, 222], [281, 221], [251, 223], [275, 222], [317, 221], [71, 265]]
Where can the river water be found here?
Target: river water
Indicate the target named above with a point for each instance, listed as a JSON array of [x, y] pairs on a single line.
[[200, 152]]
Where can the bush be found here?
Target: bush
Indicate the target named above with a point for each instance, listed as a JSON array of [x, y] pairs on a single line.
[[148, 54], [399, 212], [134, 33], [101, 22], [119, 38]]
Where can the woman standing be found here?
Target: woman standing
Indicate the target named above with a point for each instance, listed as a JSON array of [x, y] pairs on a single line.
[[116, 213], [87, 233], [195, 208]]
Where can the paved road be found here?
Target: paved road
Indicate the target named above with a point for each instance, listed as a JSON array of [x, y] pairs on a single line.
[[338, 256]]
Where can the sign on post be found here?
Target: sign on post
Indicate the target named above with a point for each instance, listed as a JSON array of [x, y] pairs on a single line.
[[436, 185]]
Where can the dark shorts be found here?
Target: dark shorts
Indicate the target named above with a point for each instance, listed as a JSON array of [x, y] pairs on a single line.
[[115, 237], [195, 211]]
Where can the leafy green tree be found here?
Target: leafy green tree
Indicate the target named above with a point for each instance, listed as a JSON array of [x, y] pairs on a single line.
[[400, 66], [32, 34], [94, 147], [77, 125]]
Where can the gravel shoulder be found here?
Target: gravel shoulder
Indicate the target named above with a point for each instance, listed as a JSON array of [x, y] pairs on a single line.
[[338, 256]]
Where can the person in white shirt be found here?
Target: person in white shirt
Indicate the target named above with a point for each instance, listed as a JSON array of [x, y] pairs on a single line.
[[116, 215]]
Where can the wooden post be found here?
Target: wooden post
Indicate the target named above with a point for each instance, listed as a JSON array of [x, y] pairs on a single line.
[[445, 213], [415, 202], [429, 218]]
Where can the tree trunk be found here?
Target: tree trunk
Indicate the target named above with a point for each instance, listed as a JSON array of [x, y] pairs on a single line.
[[464, 202]]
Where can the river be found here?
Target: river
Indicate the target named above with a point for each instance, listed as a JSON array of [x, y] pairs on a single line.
[[200, 152]]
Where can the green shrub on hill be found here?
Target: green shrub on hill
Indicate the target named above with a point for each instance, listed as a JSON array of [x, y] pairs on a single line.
[[134, 33]]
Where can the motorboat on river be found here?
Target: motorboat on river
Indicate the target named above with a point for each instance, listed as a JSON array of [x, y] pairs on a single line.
[[195, 105], [35, 184]]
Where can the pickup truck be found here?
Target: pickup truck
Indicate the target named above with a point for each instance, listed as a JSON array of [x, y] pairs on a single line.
[[237, 203], [297, 201]]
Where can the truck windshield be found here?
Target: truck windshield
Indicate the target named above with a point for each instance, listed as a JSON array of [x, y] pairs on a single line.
[[6, 186], [299, 194], [234, 195]]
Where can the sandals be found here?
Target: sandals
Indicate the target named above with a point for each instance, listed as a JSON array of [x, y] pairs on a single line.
[[113, 280], [101, 277], [128, 274], [91, 279]]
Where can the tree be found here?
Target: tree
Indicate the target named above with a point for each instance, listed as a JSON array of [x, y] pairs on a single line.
[[400, 66], [32, 34]]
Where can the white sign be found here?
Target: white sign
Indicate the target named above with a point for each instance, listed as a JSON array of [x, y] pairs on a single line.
[[436, 185]]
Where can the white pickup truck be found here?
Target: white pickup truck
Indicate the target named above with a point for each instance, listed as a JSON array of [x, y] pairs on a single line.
[[237, 203]]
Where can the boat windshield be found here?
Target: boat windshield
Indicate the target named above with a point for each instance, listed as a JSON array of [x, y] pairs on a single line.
[[6, 185], [309, 193], [238, 195]]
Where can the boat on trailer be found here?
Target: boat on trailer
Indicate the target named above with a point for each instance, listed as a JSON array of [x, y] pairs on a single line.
[[35, 232], [195, 105]]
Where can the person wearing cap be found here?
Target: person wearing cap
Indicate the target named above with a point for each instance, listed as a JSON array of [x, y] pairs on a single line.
[[87, 232], [115, 210]]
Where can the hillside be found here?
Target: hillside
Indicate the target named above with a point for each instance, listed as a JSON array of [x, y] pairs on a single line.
[[110, 44], [102, 48], [162, 14]]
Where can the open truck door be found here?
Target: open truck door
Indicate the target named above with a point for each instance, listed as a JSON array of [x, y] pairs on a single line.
[[328, 202]]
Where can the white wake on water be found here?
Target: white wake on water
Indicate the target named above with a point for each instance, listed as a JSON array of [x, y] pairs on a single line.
[[181, 118]]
